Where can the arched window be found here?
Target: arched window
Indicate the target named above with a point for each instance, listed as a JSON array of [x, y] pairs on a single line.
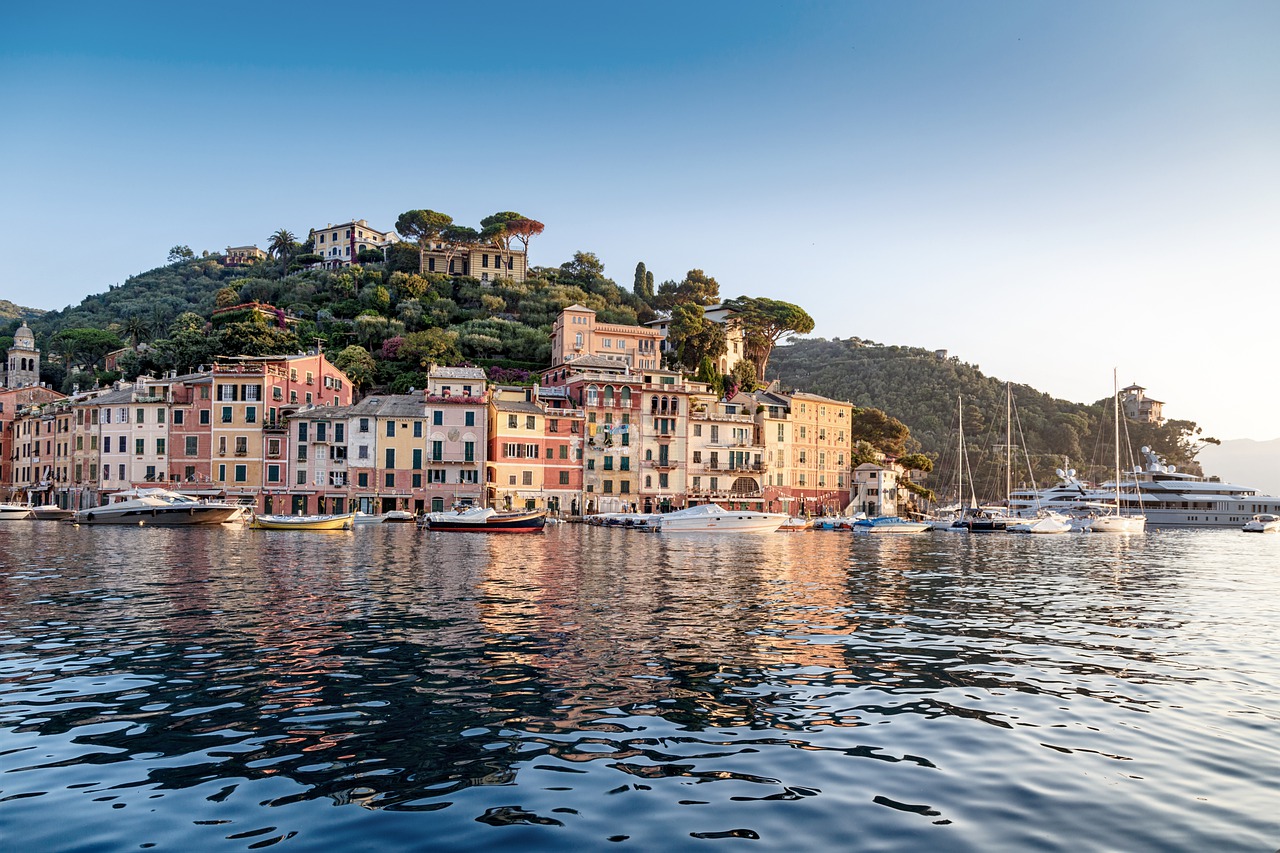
[[593, 396], [675, 405], [608, 395], [653, 405], [626, 398], [664, 405], [648, 455], [648, 482]]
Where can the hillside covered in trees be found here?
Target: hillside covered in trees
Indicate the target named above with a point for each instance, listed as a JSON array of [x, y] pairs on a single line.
[[386, 320], [923, 390]]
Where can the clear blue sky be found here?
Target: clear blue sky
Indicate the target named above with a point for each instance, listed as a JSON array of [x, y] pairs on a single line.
[[1046, 189]]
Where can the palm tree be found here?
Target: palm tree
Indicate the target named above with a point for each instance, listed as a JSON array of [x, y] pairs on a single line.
[[282, 245], [136, 328]]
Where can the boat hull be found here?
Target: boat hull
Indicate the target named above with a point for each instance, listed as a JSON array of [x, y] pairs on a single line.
[[1118, 524], [526, 522], [156, 516], [890, 527], [302, 522], [12, 512]]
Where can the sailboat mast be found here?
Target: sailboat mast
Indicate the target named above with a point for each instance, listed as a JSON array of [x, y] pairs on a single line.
[[1115, 383], [1008, 447]]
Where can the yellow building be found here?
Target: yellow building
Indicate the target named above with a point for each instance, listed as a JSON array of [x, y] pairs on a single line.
[[514, 471]]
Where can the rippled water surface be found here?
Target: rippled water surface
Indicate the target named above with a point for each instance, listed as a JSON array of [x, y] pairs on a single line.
[[390, 689]]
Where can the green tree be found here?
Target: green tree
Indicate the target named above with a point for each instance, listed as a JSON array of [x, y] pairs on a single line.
[[744, 376], [763, 322], [456, 240], [136, 328], [641, 283], [886, 434], [694, 337], [583, 269], [255, 337], [495, 230], [179, 254], [358, 364], [90, 346], [423, 227], [284, 246], [430, 346]]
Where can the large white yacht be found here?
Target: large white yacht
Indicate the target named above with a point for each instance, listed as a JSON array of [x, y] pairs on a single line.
[[14, 512], [156, 507], [712, 518], [1166, 496]]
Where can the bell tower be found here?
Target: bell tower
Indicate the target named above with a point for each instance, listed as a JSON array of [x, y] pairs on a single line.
[[23, 363]]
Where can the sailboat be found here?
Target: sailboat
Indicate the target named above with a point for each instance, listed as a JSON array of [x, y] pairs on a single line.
[[979, 519], [1114, 521]]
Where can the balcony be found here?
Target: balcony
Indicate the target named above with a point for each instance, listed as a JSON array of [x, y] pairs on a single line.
[[275, 426], [662, 464]]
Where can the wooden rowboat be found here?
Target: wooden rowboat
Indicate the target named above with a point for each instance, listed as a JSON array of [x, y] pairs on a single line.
[[303, 522]]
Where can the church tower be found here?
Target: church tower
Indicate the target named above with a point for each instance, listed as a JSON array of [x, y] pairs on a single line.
[[23, 365]]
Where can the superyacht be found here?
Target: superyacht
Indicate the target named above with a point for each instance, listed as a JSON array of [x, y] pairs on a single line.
[[1168, 497]]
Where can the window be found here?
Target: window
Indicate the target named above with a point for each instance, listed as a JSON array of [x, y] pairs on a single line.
[[242, 445], [417, 481], [564, 451], [364, 425], [391, 429], [321, 429], [123, 449], [526, 478], [362, 480], [437, 451], [139, 446], [363, 452], [204, 417], [178, 416], [222, 445], [273, 447], [301, 477], [417, 429], [468, 451], [389, 480], [338, 433], [390, 458], [608, 463], [471, 419], [512, 421], [251, 414], [273, 473], [242, 473], [302, 453], [608, 487], [160, 447], [529, 421], [564, 478], [226, 414], [553, 425], [417, 458], [141, 419], [624, 463]]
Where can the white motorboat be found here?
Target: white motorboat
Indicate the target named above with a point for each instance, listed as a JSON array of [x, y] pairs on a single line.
[[1046, 523], [51, 512], [796, 524], [889, 524], [156, 507], [713, 518], [395, 516], [1263, 523], [14, 512]]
